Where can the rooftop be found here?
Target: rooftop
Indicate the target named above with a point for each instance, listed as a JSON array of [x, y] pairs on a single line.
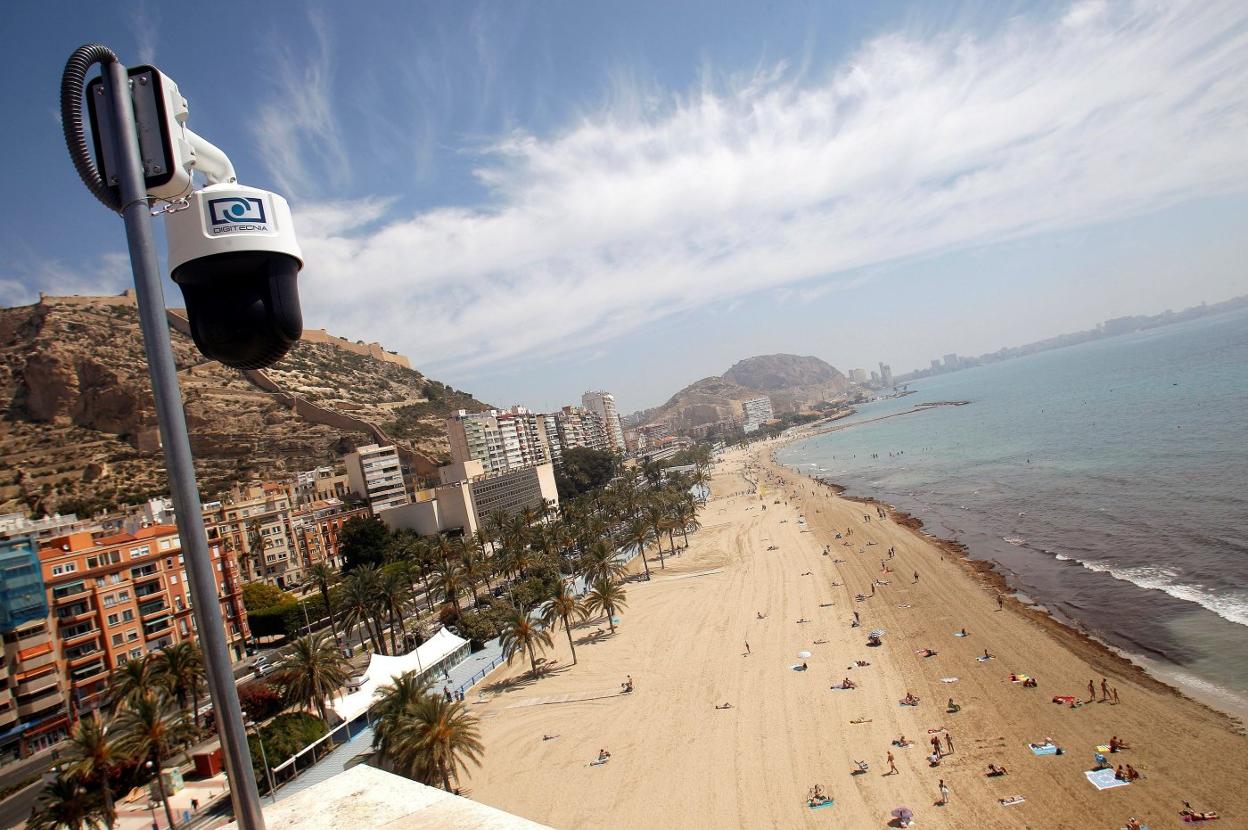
[[365, 796]]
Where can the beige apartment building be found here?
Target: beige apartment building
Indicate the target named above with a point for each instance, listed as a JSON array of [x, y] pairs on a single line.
[[375, 474]]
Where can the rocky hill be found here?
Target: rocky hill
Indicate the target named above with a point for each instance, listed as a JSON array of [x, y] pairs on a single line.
[[79, 434], [793, 382]]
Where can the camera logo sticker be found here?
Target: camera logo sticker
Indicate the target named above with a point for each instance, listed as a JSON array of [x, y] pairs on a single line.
[[236, 214]]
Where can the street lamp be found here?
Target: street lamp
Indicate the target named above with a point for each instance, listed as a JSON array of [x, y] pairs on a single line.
[[264, 759], [233, 252]]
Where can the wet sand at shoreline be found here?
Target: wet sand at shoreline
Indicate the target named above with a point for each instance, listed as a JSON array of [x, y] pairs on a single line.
[[678, 761]]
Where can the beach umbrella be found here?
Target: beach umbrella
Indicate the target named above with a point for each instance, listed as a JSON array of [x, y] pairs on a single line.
[[803, 654], [905, 814], [877, 632]]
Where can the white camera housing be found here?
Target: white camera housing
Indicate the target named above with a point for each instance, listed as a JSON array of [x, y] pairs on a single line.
[[233, 252]]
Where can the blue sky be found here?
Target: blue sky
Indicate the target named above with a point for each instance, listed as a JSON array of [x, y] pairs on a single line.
[[531, 199]]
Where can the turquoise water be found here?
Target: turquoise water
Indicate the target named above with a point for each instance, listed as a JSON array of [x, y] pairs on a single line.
[[1117, 471]]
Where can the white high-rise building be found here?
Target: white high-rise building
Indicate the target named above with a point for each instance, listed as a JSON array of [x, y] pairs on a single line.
[[375, 473], [603, 405], [858, 375], [500, 440], [757, 412]]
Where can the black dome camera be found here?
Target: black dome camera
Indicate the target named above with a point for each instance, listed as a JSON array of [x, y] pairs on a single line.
[[233, 253]]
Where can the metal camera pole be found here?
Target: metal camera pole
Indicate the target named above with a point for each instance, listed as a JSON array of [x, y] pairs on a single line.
[[177, 449]]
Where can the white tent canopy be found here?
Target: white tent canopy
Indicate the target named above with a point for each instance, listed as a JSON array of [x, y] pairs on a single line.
[[382, 669]]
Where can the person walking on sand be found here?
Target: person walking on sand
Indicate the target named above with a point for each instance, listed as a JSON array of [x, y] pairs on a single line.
[[1104, 689], [1114, 692], [747, 647], [916, 576], [944, 793], [1000, 602], [892, 766], [936, 745], [1091, 690], [949, 743]]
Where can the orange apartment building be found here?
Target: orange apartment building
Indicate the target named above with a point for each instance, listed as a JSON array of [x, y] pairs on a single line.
[[116, 598]]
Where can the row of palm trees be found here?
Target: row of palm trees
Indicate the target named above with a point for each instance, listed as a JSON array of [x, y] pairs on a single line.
[[147, 718], [421, 734]]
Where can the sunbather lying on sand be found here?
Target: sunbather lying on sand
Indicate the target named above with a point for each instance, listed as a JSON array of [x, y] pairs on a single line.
[[1189, 814], [909, 700], [847, 684], [995, 771], [902, 742], [926, 652], [724, 706]]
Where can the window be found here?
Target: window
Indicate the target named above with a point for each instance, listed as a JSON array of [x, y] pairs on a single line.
[[113, 619], [164, 544], [127, 616], [132, 635], [110, 601], [67, 568], [173, 580], [135, 653], [135, 553], [114, 578], [122, 596], [119, 639]]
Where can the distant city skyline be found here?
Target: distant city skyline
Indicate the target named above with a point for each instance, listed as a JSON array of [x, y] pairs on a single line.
[[532, 201]]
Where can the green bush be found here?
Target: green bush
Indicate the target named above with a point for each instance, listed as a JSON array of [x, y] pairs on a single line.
[[283, 737]]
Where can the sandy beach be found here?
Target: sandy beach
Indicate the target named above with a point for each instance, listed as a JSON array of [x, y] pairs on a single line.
[[677, 761]]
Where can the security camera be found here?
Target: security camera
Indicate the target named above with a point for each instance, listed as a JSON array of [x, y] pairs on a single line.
[[232, 248], [233, 252]]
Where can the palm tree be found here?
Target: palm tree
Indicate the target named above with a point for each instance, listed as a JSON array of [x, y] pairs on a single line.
[[601, 562], [567, 606], [92, 755], [394, 595], [312, 671], [394, 705], [148, 728], [637, 532], [520, 635], [66, 804], [324, 576], [181, 669], [655, 516], [134, 678], [451, 581], [606, 596], [359, 599], [437, 740], [685, 511]]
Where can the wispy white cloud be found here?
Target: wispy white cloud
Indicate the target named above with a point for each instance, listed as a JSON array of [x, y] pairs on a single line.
[[657, 204], [145, 24], [297, 128]]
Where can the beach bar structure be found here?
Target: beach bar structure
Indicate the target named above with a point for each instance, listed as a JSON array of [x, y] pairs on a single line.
[[436, 655]]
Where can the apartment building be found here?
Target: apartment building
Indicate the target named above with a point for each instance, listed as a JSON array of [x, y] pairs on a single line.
[[580, 427], [500, 439], [78, 607], [375, 474], [32, 694], [276, 540], [320, 484], [602, 404], [468, 496], [757, 412]]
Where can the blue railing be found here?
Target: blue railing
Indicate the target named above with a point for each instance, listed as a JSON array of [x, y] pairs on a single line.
[[479, 676]]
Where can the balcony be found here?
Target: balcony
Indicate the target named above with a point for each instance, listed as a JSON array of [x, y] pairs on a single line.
[[68, 592], [151, 609], [76, 658], [89, 674], [145, 572], [35, 686], [73, 636], [42, 705], [75, 612], [157, 627], [147, 588]]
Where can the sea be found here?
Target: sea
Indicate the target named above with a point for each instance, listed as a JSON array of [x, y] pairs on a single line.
[[1107, 481]]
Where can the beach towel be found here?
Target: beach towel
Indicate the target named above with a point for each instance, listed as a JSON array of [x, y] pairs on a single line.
[[1019, 678], [1103, 779], [982, 659], [599, 763], [1063, 698], [827, 803], [1042, 749], [1102, 747], [958, 634], [1190, 819], [1011, 801], [948, 680]]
